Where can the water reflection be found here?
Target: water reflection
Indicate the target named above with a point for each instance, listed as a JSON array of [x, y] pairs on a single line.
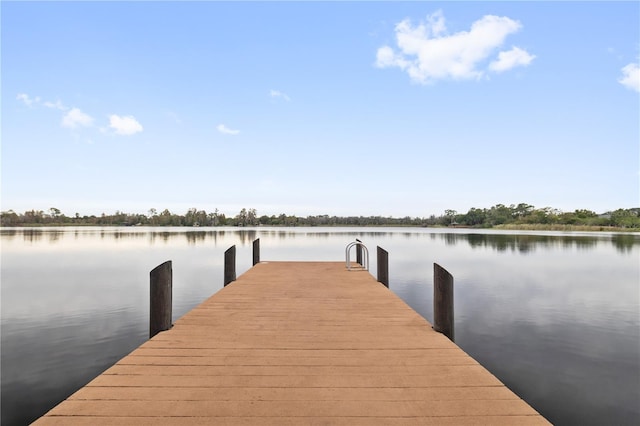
[[553, 315], [497, 240], [623, 242], [528, 243], [35, 377], [32, 235]]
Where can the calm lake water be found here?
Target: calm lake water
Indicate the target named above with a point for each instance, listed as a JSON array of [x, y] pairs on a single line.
[[555, 316]]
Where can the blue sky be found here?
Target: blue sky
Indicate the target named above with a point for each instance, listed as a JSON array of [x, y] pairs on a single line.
[[359, 108]]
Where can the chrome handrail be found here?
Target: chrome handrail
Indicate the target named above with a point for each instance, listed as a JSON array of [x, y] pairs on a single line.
[[365, 257]]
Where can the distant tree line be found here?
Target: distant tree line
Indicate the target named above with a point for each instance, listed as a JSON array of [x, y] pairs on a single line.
[[498, 215], [526, 214]]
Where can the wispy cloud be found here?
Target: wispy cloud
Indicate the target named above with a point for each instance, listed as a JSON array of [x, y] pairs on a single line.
[[27, 100], [279, 94], [427, 52], [76, 118], [631, 77], [55, 105], [227, 131], [511, 59], [124, 125], [31, 102]]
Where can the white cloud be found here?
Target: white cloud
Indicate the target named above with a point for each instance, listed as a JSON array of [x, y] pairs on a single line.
[[76, 118], [436, 23], [127, 125], [387, 58], [56, 105], [510, 59], [227, 131], [27, 100], [428, 53], [279, 94], [631, 77], [30, 102]]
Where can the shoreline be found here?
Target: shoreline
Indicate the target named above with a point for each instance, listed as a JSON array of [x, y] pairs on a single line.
[[505, 227]]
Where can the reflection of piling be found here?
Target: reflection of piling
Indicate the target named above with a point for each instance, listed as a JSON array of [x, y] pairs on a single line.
[[160, 291], [230, 265], [256, 251], [443, 301], [383, 266]]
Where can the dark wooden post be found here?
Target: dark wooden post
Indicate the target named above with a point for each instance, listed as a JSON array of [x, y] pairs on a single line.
[[443, 301], [160, 290], [383, 267], [359, 253], [256, 251], [230, 265]]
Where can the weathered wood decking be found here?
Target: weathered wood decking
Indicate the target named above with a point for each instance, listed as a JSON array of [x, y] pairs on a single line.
[[294, 343]]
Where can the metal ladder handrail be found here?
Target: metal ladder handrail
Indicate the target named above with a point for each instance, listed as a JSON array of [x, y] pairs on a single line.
[[365, 257]]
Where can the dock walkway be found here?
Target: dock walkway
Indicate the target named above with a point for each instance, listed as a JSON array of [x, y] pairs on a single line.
[[293, 343]]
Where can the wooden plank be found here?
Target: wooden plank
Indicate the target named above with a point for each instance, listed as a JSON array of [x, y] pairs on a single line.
[[293, 421], [455, 359], [297, 342], [293, 370], [292, 394], [393, 381], [317, 408]]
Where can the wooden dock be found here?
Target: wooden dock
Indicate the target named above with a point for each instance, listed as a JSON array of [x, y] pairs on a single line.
[[293, 343]]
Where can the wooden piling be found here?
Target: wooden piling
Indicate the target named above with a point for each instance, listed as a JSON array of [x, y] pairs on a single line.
[[359, 253], [230, 265], [443, 301], [160, 290], [383, 266], [256, 251]]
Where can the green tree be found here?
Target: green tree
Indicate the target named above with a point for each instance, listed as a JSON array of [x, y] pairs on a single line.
[[626, 218], [54, 212], [474, 217], [585, 214], [522, 210], [543, 216], [9, 218], [499, 214], [252, 217], [450, 216], [241, 218]]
